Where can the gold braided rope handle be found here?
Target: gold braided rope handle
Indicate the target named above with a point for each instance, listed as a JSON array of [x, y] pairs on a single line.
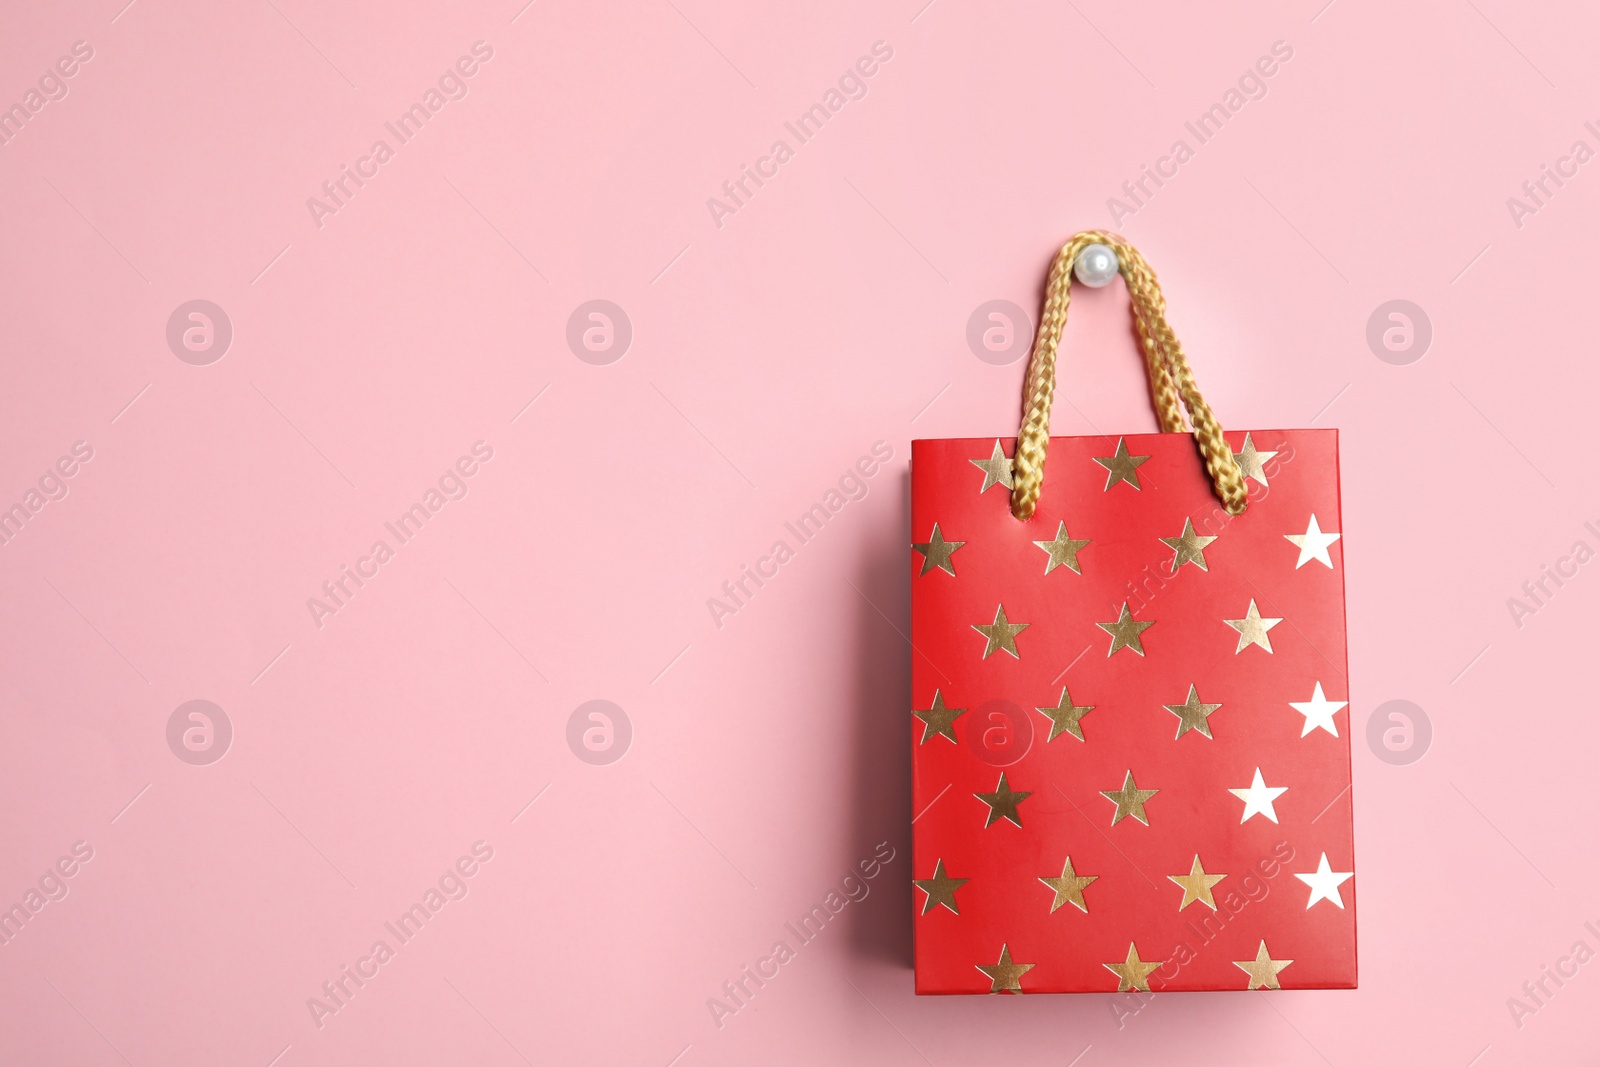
[[1170, 377]]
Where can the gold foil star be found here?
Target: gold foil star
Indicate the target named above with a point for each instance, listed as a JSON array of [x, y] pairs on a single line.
[[1129, 800], [1319, 711], [1132, 973], [1187, 547], [1325, 883], [1005, 976], [996, 469], [1252, 629], [1263, 970], [1125, 632], [1313, 545], [1122, 467], [1065, 716], [1197, 885], [1250, 461], [1063, 551], [938, 721], [1070, 887], [1192, 714], [941, 889], [1002, 634], [1258, 797], [936, 552], [1003, 802]]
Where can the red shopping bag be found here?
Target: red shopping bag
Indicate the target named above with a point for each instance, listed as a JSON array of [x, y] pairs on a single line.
[[1130, 740]]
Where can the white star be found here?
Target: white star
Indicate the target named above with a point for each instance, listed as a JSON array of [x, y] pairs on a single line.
[[1313, 545], [1325, 883], [1258, 798], [1318, 712]]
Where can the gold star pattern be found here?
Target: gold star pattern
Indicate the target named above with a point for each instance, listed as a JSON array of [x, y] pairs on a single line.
[[1125, 632], [1005, 976], [1129, 800], [996, 469], [1122, 467], [1132, 973], [1001, 634], [1263, 970], [1252, 629], [941, 889], [1313, 545], [936, 553], [1192, 715], [1187, 547], [1197, 885], [1325, 883], [1250, 461], [938, 721], [1069, 887], [1065, 717], [1063, 550], [1259, 798], [1003, 803], [1319, 712]]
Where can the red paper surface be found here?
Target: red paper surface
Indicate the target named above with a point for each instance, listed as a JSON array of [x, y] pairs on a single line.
[[1132, 901]]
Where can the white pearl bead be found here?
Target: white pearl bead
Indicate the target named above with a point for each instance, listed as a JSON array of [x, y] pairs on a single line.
[[1096, 265]]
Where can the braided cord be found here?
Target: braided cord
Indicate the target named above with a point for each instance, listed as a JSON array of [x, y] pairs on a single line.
[[1171, 380]]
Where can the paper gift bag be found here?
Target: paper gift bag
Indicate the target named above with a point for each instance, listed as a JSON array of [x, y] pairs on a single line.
[[1129, 729]]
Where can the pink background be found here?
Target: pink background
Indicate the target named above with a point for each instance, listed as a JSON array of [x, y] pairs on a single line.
[[830, 312]]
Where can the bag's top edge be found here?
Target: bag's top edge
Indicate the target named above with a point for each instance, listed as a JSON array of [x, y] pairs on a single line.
[[1230, 432]]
